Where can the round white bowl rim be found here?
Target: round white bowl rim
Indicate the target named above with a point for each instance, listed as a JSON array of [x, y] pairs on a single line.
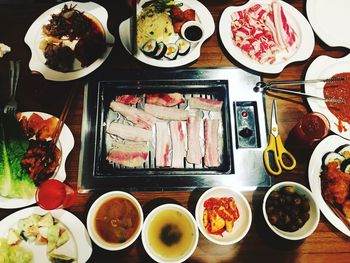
[[91, 212], [152, 214], [311, 199], [244, 201]]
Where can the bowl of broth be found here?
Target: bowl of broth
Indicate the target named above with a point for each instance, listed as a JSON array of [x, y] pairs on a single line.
[[115, 220], [170, 234]]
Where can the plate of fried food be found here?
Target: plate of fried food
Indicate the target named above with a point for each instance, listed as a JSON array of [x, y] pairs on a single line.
[[69, 41], [266, 35], [167, 33], [24, 142], [329, 178]]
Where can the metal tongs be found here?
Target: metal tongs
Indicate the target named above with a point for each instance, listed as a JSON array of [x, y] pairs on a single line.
[[268, 86]]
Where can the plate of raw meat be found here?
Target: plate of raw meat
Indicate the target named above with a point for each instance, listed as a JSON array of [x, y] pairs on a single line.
[[267, 35]]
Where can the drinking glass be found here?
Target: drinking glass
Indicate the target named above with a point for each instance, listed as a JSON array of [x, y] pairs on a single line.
[[54, 194]]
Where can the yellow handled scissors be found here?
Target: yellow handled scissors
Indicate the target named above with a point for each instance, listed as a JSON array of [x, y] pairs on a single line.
[[276, 157]]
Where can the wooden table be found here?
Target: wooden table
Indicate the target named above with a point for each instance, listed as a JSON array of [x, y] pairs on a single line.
[[37, 94]]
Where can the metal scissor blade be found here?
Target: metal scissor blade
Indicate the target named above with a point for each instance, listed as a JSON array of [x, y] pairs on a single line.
[[274, 126]]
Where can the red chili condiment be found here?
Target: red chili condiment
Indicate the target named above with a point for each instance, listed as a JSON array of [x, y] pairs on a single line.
[[341, 91]]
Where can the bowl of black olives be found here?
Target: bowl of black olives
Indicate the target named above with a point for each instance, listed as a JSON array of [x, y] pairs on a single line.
[[290, 210]]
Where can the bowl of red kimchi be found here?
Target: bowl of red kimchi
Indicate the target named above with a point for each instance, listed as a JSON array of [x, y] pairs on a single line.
[[223, 215]]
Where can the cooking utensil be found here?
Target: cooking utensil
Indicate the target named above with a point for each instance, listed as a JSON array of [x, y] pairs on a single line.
[[276, 157], [338, 213], [268, 86], [11, 106]]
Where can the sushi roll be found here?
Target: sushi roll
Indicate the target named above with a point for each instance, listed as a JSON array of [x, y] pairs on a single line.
[[344, 150], [184, 46], [172, 51], [150, 48], [161, 50], [345, 166], [333, 157]]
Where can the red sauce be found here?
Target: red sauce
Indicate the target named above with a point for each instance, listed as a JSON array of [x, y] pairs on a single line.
[[117, 219], [341, 92]]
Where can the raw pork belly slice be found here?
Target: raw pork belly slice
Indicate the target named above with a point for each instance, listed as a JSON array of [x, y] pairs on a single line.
[[166, 113], [205, 104], [211, 142], [194, 154], [178, 143], [165, 99], [163, 144], [129, 155], [128, 99], [130, 133], [138, 117]]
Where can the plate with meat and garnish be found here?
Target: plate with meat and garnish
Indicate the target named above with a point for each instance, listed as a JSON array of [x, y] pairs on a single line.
[[167, 33], [69, 41], [337, 111], [329, 179], [330, 30], [267, 35], [24, 142]]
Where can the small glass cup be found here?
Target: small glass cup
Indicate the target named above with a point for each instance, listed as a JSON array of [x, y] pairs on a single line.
[[54, 194], [310, 130]]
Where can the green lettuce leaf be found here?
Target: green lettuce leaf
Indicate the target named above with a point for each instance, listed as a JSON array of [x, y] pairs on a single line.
[[14, 181], [14, 254]]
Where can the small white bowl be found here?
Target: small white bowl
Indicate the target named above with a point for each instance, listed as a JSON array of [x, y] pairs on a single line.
[[158, 214], [194, 24], [92, 214], [309, 227], [241, 225]]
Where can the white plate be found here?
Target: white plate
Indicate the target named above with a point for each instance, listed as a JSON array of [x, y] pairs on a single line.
[[80, 238], [306, 41], [202, 15], [65, 144], [329, 144], [330, 19], [34, 37], [324, 67]]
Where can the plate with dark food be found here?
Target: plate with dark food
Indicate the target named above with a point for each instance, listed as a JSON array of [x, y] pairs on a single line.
[[69, 41], [39, 236], [329, 178], [267, 35], [167, 33], [24, 142], [338, 69]]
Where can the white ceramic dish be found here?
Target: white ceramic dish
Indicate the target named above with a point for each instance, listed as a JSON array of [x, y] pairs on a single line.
[[91, 219], [202, 15], [309, 227], [240, 227], [328, 144], [324, 67], [65, 144], [146, 243], [329, 19], [306, 41], [33, 38], [80, 242]]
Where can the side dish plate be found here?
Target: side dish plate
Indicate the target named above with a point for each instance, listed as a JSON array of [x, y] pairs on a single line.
[[329, 144], [81, 242], [324, 67], [202, 15], [329, 19], [306, 41], [65, 143], [34, 35]]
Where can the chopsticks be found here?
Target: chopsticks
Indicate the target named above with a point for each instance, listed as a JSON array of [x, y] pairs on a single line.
[[339, 214]]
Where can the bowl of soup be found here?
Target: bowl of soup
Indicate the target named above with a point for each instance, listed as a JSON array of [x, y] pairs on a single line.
[[115, 220], [170, 234]]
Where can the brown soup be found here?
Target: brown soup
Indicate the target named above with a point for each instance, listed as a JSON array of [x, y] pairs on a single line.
[[116, 220]]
